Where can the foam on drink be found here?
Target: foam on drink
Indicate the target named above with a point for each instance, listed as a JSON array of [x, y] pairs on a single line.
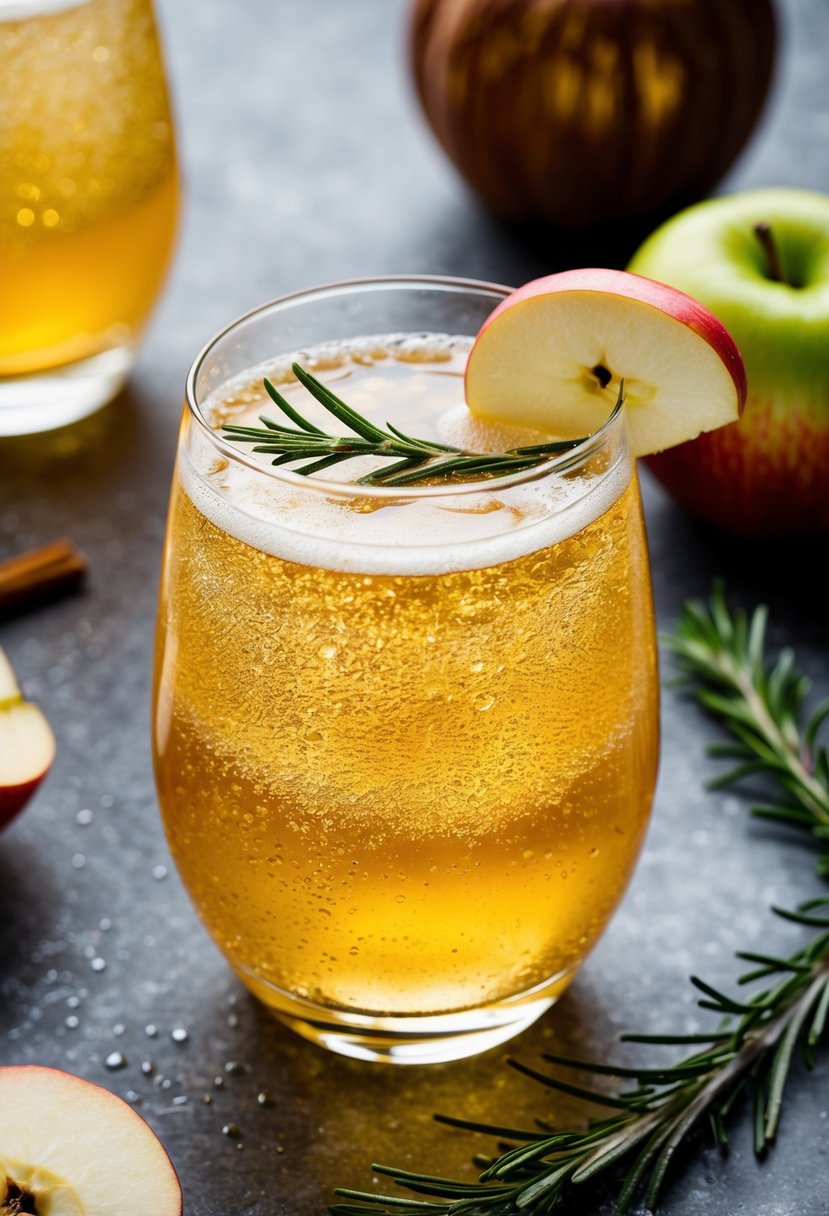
[[21, 10], [390, 532]]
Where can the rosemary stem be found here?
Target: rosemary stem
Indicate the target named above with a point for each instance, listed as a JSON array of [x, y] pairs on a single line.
[[422, 460], [818, 797]]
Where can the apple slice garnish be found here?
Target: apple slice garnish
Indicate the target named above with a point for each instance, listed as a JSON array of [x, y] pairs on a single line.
[[553, 354], [70, 1148], [27, 746]]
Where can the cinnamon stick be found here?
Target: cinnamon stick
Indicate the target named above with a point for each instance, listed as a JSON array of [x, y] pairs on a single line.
[[40, 574]]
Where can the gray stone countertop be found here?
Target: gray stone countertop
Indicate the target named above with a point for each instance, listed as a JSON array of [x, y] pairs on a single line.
[[306, 161]]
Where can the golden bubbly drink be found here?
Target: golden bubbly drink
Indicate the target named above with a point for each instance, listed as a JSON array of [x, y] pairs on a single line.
[[88, 183], [405, 745]]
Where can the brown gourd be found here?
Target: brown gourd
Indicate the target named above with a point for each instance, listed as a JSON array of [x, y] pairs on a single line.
[[585, 112]]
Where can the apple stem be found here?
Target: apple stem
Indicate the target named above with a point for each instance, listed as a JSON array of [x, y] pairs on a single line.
[[774, 266]]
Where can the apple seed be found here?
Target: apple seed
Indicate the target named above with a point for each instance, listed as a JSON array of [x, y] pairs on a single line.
[[18, 1202], [602, 375]]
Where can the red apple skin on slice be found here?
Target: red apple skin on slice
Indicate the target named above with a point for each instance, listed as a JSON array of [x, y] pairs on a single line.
[[76, 1147], [541, 356]]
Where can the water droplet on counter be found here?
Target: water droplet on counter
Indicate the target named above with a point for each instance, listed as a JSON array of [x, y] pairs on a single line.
[[115, 1060], [179, 1035], [98, 964], [159, 873], [147, 1067], [265, 1098], [151, 1031], [231, 1129]]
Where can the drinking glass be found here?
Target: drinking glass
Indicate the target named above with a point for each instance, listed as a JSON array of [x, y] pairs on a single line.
[[405, 738], [88, 202]]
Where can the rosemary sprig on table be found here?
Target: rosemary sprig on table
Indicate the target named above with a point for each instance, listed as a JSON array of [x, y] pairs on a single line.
[[750, 1050], [414, 460], [762, 707]]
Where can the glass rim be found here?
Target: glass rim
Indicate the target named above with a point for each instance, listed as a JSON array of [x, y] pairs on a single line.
[[563, 462]]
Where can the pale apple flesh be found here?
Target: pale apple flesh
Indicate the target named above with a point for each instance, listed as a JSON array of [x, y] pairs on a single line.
[[554, 354], [27, 746], [70, 1148]]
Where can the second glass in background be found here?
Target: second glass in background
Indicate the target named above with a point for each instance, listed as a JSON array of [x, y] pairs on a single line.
[[88, 202]]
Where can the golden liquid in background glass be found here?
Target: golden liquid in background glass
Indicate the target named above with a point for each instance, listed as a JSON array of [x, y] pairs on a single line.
[[88, 183], [397, 793]]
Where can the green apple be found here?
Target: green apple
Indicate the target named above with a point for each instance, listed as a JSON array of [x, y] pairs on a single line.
[[760, 261]]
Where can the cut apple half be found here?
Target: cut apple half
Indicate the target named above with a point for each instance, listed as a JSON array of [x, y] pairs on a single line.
[[554, 354], [27, 746], [70, 1148]]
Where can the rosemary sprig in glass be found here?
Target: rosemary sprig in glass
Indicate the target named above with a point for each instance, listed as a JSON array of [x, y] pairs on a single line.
[[752, 1046], [414, 460]]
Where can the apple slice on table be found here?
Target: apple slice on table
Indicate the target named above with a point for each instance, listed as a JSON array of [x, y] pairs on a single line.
[[70, 1148], [27, 746], [553, 354]]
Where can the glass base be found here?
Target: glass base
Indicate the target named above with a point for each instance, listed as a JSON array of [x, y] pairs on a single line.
[[59, 396], [408, 1039]]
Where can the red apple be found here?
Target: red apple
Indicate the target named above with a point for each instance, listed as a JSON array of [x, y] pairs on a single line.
[[71, 1148], [585, 112], [553, 354], [27, 746]]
